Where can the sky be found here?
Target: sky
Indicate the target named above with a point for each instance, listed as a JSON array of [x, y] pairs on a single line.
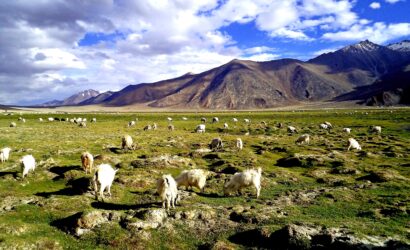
[[51, 49]]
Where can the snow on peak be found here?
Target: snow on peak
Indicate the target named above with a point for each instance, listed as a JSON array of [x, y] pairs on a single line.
[[362, 46], [403, 46]]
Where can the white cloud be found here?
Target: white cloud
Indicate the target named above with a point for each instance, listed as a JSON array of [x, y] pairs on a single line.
[[392, 1], [378, 33], [156, 39], [375, 5]]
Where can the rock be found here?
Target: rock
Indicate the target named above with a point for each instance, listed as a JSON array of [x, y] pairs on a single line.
[[222, 245], [163, 161], [147, 219], [382, 176]]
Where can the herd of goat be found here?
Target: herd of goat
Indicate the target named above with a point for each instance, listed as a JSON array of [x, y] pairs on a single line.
[[167, 186]]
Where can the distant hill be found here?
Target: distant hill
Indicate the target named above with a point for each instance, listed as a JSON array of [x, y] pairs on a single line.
[[74, 99], [243, 84]]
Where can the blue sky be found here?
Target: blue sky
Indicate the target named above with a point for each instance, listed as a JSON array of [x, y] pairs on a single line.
[[52, 49]]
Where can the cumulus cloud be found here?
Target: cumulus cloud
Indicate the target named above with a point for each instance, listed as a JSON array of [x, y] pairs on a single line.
[[375, 5], [43, 58]]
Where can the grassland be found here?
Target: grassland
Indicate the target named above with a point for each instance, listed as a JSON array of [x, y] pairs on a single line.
[[366, 192]]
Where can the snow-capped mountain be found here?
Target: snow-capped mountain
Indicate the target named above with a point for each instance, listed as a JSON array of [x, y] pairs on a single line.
[[403, 46], [74, 99]]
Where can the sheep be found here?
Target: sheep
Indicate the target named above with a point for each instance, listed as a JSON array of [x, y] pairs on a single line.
[[104, 175], [192, 178], [305, 138], [346, 130], [27, 163], [203, 119], [171, 127], [40, 119], [239, 143], [168, 191], [82, 124], [353, 144], [126, 142], [169, 119], [13, 125], [226, 125], [323, 126], [215, 119], [154, 126], [87, 161], [94, 120], [4, 154], [292, 129], [246, 120], [376, 129], [200, 128], [148, 127], [131, 124], [50, 119], [234, 119], [244, 179], [216, 144]]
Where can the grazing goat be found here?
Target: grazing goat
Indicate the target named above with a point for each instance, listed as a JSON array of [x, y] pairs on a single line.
[[329, 125], [239, 143], [94, 120], [292, 129], [203, 119], [246, 120], [192, 178], [169, 119], [40, 119], [154, 126], [148, 127], [171, 127], [127, 142], [87, 161], [250, 177], [184, 118], [376, 129], [353, 144], [27, 163], [131, 124], [104, 175], [13, 125], [305, 138], [323, 126], [200, 128], [216, 144], [4, 154], [215, 119], [234, 119], [226, 125], [346, 130], [168, 191]]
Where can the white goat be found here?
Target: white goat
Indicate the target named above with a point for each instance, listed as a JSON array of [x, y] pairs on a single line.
[[168, 191], [169, 119], [94, 120], [148, 127], [13, 125], [353, 144], [200, 128], [239, 143], [127, 142], [40, 119], [216, 144], [250, 177], [323, 126], [376, 129], [184, 118], [246, 120], [154, 126], [292, 129], [226, 126], [329, 125], [104, 175], [192, 178], [305, 138], [50, 119], [27, 163], [131, 124], [215, 119], [4, 154], [346, 130], [203, 119], [87, 161], [234, 119], [171, 127]]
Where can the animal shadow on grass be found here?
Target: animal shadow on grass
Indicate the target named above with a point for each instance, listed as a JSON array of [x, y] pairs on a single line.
[[114, 206], [67, 224], [210, 195], [116, 150], [62, 170], [14, 174], [74, 187]]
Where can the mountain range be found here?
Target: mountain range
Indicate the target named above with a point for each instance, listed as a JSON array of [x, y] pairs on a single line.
[[365, 72]]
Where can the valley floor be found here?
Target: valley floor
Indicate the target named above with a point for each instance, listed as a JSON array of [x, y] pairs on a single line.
[[313, 195]]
